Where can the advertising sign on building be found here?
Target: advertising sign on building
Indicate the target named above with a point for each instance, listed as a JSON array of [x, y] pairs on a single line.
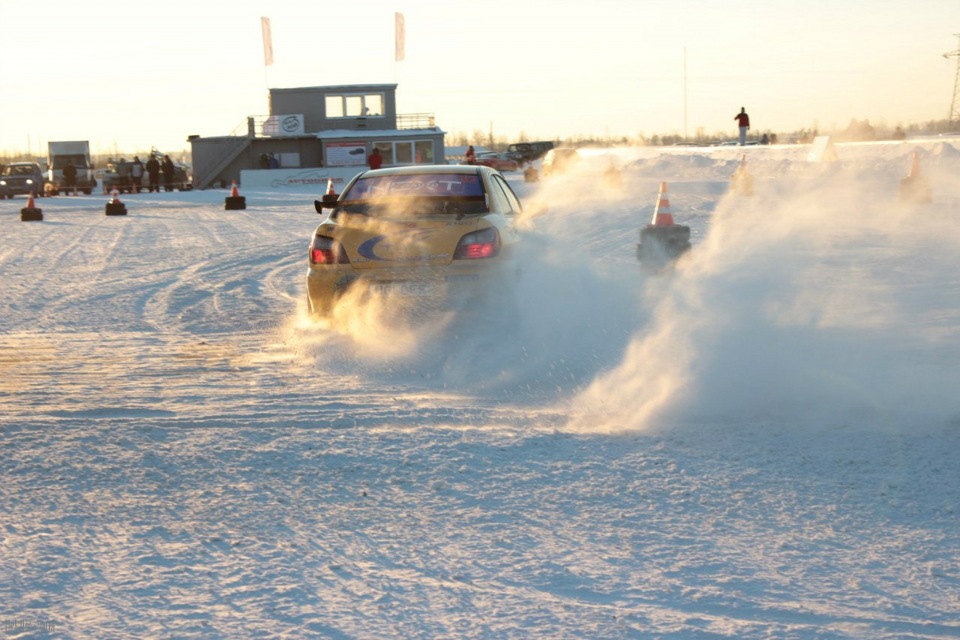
[[345, 154], [291, 125]]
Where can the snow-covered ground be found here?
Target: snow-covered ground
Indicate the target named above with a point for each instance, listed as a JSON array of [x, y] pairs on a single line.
[[760, 444]]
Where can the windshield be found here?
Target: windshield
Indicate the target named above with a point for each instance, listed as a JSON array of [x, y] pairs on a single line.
[[424, 194], [19, 170], [421, 185]]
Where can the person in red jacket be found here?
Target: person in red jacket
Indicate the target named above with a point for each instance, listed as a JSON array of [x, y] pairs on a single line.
[[375, 160], [743, 121]]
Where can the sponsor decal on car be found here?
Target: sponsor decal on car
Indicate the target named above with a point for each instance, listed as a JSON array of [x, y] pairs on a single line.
[[368, 249]]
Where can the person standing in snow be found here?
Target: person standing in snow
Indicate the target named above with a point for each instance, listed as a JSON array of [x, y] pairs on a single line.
[[167, 167], [375, 160], [136, 173], [70, 176], [153, 173], [743, 121], [123, 170]]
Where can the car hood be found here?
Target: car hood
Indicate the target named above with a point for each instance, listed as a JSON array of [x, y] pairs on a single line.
[[372, 243]]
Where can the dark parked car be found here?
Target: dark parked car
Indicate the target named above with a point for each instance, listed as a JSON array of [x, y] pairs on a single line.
[[21, 178], [529, 151]]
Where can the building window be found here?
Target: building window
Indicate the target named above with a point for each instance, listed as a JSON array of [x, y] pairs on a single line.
[[386, 150], [334, 106], [355, 105], [406, 152], [403, 152], [423, 152]]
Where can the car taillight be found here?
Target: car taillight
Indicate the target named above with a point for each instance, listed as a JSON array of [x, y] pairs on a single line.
[[479, 244], [326, 250]]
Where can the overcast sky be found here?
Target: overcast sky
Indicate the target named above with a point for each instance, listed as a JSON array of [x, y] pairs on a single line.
[[131, 75]]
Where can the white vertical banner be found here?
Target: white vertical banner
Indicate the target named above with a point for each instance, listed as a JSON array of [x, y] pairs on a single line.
[[399, 36], [267, 42]]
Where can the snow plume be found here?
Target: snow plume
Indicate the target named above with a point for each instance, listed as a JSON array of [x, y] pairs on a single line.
[[541, 331], [531, 338], [367, 328], [822, 301]]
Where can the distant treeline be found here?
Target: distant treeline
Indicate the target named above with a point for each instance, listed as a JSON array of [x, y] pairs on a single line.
[[856, 131]]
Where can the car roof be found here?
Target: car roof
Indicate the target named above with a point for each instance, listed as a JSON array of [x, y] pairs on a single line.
[[459, 169]]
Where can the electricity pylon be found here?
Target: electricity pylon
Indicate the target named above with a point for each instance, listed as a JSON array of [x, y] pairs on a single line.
[[955, 105]]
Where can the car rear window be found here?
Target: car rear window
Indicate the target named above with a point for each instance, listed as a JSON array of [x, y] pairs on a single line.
[[427, 185]]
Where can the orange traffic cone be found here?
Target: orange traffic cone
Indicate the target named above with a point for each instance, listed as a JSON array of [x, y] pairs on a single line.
[[330, 189], [114, 206], [662, 241], [234, 201], [915, 188], [661, 214], [914, 166], [31, 212]]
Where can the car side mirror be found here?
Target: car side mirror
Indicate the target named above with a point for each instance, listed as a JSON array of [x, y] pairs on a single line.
[[329, 202]]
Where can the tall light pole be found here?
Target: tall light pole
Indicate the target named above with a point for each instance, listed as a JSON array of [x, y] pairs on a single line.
[[684, 94], [955, 104]]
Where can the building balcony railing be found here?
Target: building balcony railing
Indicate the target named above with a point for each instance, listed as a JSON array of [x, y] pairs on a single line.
[[416, 121], [253, 127]]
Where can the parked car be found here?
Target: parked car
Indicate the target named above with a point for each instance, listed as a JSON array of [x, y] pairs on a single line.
[[416, 235], [498, 161], [559, 160], [21, 178], [529, 151]]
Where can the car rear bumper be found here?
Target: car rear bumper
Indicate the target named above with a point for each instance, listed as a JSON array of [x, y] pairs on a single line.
[[428, 287]]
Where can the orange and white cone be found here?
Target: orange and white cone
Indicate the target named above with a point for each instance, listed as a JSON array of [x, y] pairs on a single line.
[[915, 187], [914, 166], [31, 212], [661, 214], [234, 201], [330, 190], [114, 206]]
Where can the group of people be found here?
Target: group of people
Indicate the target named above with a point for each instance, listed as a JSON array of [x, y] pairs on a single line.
[[269, 161], [131, 173]]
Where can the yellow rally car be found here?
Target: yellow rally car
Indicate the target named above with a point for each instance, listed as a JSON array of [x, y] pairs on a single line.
[[420, 233]]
